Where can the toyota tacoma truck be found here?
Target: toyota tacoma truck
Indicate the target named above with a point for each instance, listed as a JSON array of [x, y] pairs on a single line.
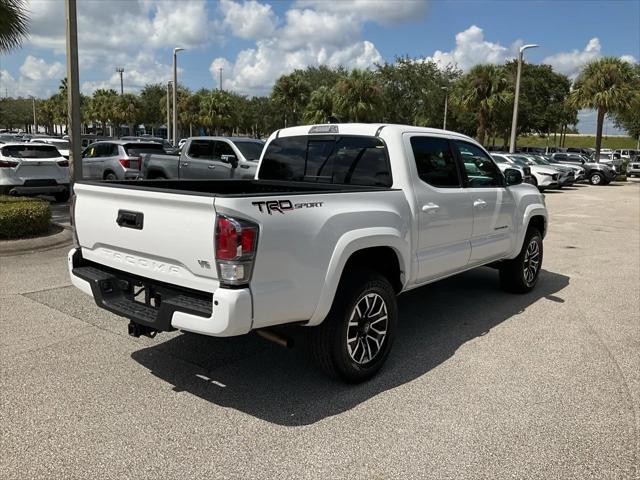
[[339, 220]]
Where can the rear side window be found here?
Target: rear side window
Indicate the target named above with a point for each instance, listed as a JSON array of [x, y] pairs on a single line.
[[435, 161], [346, 160], [134, 149], [30, 151]]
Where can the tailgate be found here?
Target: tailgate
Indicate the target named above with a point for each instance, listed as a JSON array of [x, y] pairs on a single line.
[[160, 235]]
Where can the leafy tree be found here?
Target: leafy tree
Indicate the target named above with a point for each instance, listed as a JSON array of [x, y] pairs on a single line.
[[126, 109], [103, 106], [291, 93], [482, 90], [358, 97], [14, 24], [413, 90], [152, 99], [217, 112], [629, 117], [605, 85], [320, 106]]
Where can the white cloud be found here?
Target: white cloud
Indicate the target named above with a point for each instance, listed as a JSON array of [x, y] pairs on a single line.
[[472, 49], [380, 11], [629, 58], [307, 38], [250, 20], [37, 78], [571, 62]]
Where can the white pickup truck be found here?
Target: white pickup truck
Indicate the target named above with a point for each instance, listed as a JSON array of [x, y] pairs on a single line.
[[339, 220]]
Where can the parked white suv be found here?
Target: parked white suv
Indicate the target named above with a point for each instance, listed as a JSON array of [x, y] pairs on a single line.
[[60, 143], [33, 169]]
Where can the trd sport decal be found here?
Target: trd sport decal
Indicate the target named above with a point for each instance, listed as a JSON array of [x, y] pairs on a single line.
[[282, 206]]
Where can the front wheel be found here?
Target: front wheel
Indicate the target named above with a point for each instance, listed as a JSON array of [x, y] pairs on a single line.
[[596, 179], [521, 274], [354, 340], [62, 197]]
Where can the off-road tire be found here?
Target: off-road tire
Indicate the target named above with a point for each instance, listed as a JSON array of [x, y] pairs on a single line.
[[328, 341], [515, 274]]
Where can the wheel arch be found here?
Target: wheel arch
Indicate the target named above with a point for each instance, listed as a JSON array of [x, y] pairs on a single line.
[[385, 252]]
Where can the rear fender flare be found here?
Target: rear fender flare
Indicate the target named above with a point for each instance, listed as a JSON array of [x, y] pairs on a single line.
[[346, 246]]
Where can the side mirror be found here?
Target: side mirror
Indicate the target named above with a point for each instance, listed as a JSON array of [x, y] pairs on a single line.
[[230, 159], [513, 176]]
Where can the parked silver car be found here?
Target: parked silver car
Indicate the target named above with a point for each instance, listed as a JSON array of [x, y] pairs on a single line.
[[116, 159]]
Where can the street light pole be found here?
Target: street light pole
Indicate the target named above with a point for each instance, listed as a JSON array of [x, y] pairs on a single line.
[[175, 95], [446, 101], [35, 122], [169, 110], [120, 70], [514, 120], [73, 93], [220, 78]]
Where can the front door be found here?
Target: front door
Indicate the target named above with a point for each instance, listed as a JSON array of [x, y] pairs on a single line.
[[492, 203], [445, 216]]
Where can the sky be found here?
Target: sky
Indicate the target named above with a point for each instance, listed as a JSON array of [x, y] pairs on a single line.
[[254, 42]]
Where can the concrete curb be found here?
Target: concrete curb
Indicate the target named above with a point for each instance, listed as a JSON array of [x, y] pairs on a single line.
[[9, 248]]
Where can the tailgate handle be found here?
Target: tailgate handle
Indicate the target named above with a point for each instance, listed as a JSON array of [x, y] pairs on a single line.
[[128, 219]]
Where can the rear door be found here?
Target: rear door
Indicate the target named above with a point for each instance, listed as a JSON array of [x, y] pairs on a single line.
[[444, 207], [492, 203], [198, 162]]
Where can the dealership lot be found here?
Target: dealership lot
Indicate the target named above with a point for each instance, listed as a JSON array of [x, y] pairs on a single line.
[[480, 383]]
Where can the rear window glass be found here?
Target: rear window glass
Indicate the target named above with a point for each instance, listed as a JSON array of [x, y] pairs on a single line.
[[250, 150], [30, 151], [347, 160], [142, 148]]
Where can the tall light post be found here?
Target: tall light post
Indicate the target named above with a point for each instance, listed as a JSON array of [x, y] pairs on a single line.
[[35, 121], [175, 95], [514, 120], [73, 92], [169, 110], [446, 101], [120, 70]]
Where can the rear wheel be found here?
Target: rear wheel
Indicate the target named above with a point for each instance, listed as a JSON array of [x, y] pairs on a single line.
[[354, 340], [521, 274], [110, 176]]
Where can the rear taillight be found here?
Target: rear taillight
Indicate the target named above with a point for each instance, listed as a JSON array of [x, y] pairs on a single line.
[[63, 163], [235, 247], [133, 162], [8, 164], [72, 220]]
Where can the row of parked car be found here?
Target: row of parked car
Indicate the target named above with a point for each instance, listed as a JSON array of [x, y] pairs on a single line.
[[39, 165]]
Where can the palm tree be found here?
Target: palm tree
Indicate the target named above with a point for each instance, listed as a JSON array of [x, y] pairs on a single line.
[[605, 85], [216, 111], [103, 106], [126, 109], [358, 97], [482, 90], [320, 106], [292, 93], [14, 23]]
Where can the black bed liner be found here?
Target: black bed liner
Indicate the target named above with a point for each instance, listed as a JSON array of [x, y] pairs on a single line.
[[235, 188]]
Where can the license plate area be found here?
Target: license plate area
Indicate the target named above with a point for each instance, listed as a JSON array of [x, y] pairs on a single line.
[[146, 295]]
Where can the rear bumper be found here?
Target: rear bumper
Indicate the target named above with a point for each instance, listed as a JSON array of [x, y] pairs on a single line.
[[223, 313], [33, 189]]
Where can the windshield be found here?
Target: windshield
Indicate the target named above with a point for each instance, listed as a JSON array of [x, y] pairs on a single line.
[[540, 161], [63, 144], [30, 151], [250, 150], [519, 161], [498, 159]]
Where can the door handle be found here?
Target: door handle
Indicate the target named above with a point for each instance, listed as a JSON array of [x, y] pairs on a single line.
[[184, 164], [430, 208], [479, 203], [211, 167]]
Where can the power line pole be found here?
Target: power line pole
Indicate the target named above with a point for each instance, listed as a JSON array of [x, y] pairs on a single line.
[[168, 110], [220, 78], [35, 122], [120, 70], [73, 92], [175, 95]]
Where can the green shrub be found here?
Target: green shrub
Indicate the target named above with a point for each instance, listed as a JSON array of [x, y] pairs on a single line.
[[23, 217]]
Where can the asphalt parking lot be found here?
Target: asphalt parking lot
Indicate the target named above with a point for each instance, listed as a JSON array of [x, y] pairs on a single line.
[[480, 384]]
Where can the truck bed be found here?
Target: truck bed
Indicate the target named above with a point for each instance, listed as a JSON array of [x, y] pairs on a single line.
[[234, 188]]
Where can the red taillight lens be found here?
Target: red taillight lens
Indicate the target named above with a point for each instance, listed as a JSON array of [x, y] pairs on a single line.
[[8, 164], [125, 162], [63, 163], [248, 240], [226, 239]]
